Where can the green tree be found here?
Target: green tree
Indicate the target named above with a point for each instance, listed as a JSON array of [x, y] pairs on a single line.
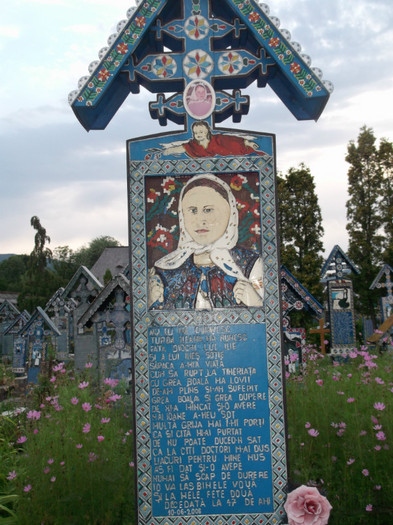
[[38, 283], [11, 271], [364, 218], [300, 225], [64, 264], [385, 155], [88, 255]]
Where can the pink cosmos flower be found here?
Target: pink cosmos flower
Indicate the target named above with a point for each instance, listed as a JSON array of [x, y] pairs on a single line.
[[365, 472], [33, 414], [313, 432], [379, 381], [92, 456], [58, 367], [379, 406], [377, 487], [11, 475], [111, 382], [86, 428], [319, 382], [21, 440], [377, 427], [79, 445], [307, 425], [27, 488], [362, 433], [114, 397], [46, 470], [350, 400], [105, 420], [53, 479], [51, 461], [374, 420], [369, 508], [88, 365], [380, 436], [131, 464], [52, 379], [306, 506], [340, 393], [100, 438], [86, 407], [83, 385], [377, 448], [74, 400]]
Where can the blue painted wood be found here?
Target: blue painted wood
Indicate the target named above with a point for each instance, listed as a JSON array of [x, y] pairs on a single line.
[[230, 44]]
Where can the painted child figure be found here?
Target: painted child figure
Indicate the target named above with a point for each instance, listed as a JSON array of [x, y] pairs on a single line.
[[207, 270]]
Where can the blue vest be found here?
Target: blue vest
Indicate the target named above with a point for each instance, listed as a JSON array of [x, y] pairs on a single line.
[[181, 284]]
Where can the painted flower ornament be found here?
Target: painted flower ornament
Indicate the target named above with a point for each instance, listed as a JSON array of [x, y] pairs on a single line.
[[306, 506]]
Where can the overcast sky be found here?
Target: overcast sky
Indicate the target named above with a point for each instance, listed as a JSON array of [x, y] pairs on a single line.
[[76, 181]]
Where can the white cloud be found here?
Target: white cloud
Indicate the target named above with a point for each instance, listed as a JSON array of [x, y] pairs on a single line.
[[11, 31]]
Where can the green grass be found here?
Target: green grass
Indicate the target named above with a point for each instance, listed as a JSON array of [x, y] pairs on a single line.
[[69, 459], [349, 457], [340, 424]]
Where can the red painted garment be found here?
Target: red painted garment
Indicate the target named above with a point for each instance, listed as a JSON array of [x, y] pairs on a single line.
[[222, 145]]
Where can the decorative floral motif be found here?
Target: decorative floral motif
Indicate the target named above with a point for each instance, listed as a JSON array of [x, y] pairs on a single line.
[[162, 238], [196, 27], [230, 63], [103, 75], [140, 21], [198, 64], [237, 182], [122, 48], [274, 42], [164, 66]]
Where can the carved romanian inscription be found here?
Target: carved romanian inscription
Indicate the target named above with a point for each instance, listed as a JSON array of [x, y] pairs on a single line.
[[211, 450]]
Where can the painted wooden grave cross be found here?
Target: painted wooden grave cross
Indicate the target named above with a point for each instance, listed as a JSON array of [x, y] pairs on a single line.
[[322, 331], [204, 273], [336, 274], [384, 280]]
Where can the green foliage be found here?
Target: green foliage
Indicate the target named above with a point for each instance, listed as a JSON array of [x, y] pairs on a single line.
[[385, 155], [107, 276], [88, 255], [300, 224], [349, 457], [71, 459], [63, 263], [365, 213], [12, 271], [40, 254]]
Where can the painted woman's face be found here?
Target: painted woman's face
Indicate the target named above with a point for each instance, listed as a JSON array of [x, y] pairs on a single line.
[[206, 214]]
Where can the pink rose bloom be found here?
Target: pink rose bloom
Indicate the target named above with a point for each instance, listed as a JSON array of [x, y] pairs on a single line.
[[306, 506]]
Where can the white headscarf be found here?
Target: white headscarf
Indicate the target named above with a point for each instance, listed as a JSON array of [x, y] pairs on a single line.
[[219, 249]]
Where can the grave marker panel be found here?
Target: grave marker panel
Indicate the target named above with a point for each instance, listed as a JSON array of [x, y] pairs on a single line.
[[208, 383]]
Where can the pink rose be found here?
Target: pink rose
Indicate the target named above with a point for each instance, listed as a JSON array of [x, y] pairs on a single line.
[[306, 506]]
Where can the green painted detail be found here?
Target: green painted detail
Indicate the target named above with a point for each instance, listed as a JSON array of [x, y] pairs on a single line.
[[278, 47], [119, 53]]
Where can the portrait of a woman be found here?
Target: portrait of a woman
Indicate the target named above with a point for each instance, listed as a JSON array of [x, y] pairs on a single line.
[[208, 269]]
